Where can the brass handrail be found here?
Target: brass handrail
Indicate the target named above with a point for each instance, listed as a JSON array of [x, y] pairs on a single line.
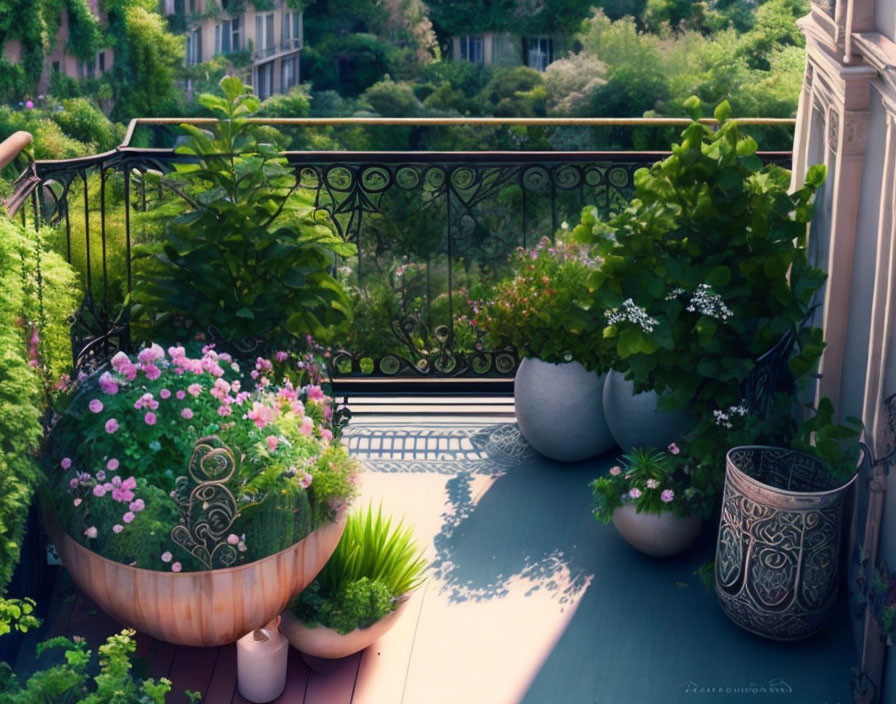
[[12, 146], [461, 122]]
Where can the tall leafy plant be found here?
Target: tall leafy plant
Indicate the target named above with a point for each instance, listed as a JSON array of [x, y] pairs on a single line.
[[245, 257]]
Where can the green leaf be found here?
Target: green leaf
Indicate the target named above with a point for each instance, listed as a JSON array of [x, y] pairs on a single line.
[[722, 111]]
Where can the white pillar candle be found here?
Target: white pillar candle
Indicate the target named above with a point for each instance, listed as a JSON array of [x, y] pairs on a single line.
[[261, 663]]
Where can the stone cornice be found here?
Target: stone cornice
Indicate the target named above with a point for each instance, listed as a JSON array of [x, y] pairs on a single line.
[[879, 52]]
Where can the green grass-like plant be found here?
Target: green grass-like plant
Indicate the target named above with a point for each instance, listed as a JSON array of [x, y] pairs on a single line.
[[373, 566]]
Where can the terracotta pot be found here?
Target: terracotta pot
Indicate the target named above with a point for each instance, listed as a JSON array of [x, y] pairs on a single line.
[[778, 552], [208, 608], [559, 410], [658, 535], [634, 420], [323, 642]]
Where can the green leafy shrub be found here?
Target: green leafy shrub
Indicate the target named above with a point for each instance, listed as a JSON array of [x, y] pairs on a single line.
[[72, 680], [81, 119], [542, 307], [372, 568], [245, 258], [25, 321]]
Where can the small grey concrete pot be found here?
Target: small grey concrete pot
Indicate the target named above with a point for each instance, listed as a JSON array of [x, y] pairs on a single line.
[[634, 420], [559, 410], [660, 535]]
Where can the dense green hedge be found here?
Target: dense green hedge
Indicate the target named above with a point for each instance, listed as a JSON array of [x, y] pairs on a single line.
[[24, 270]]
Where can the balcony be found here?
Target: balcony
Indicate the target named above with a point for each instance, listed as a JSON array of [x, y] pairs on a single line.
[[527, 598]]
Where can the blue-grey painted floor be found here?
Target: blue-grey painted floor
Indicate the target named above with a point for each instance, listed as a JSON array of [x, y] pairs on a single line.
[[644, 630]]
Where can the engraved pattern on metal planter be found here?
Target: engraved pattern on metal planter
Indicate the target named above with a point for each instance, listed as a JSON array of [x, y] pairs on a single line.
[[777, 555]]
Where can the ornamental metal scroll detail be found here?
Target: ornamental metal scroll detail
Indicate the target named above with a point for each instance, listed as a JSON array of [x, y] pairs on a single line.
[[207, 506], [777, 555]]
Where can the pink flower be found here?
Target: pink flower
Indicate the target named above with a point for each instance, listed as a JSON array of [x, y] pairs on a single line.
[[272, 442], [194, 389], [150, 354], [224, 410], [652, 483], [186, 414], [128, 517], [615, 471], [315, 393], [66, 462], [91, 532], [111, 425], [305, 481], [181, 394], [152, 371], [326, 434], [117, 528], [150, 418], [233, 539], [281, 356], [166, 556], [673, 448], [77, 502], [176, 567], [108, 385], [111, 465], [99, 491], [667, 496], [101, 476], [73, 483], [261, 414], [634, 493], [263, 365], [307, 426], [119, 361], [136, 506], [96, 406], [164, 394]]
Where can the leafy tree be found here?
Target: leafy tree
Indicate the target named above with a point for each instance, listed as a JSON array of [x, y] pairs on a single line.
[[392, 99]]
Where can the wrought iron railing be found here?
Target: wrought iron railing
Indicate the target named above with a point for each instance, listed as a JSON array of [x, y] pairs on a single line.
[[432, 229]]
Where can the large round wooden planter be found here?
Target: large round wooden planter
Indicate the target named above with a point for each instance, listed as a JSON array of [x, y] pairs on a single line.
[[209, 608], [323, 642], [634, 419], [778, 551], [559, 410], [659, 535]]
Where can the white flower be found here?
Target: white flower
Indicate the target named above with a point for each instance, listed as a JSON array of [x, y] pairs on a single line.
[[707, 302], [629, 312]]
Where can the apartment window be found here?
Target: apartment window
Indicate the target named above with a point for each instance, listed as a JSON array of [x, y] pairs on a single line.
[[289, 73], [292, 30], [85, 69], [264, 34], [101, 62], [539, 52], [194, 47], [471, 48], [264, 83], [227, 36], [57, 67]]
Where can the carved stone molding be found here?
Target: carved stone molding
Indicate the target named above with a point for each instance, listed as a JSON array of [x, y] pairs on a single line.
[[833, 130], [855, 131]]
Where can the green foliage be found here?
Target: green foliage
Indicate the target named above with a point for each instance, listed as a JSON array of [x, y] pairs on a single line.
[[17, 615], [834, 443], [518, 16], [543, 308], [24, 320], [296, 103], [81, 119], [244, 257], [71, 680], [654, 481], [391, 99], [372, 568], [85, 36], [354, 62]]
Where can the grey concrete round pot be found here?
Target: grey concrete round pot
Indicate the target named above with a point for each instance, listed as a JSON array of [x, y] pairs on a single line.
[[634, 420], [659, 535], [559, 410]]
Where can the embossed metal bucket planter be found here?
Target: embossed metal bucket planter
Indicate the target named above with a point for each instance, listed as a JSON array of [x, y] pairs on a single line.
[[777, 556]]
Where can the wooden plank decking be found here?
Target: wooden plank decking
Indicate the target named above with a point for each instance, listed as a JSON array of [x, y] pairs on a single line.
[[528, 598]]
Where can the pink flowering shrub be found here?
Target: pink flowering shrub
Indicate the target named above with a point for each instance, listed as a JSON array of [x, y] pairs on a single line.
[[653, 480], [541, 308], [129, 432]]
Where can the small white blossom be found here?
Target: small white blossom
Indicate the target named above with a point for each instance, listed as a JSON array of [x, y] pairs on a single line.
[[707, 302], [629, 312], [674, 293]]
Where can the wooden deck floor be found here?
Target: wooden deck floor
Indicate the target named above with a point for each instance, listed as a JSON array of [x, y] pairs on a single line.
[[528, 598]]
